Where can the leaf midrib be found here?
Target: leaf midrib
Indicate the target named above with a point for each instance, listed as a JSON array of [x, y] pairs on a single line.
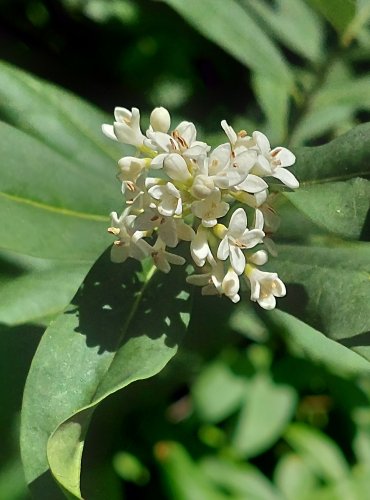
[[51, 208], [62, 111]]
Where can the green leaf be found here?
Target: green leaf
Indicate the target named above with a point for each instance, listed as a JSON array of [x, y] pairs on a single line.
[[240, 480], [32, 289], [345, 157], [217, 378], [59, 119], [255, 431], [56, 198], [336, 286], [122, 326], [309, 343], [294, 478], [230, 26], [336, 102], [182, 477], [294, 24], [339, 13], [345, 205], [273, 97], [319, 451]]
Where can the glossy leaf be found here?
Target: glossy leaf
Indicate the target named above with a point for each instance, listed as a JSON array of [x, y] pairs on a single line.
[[332, 291], [231, 27], [121, 327], [338, 207], [309, 343], [255, 431], [35, 289], [345, 157], [59, 119]]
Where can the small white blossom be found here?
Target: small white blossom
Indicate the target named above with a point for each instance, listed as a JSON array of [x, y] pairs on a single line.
[[199, 246], [127, 244], [176, 184], [126, 128], [169, 199], [210, 209], [161, 258], [160, 120], [274, 162], [237, 238], [265, 287]]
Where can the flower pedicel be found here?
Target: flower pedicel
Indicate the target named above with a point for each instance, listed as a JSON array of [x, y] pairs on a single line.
[[177, 189]]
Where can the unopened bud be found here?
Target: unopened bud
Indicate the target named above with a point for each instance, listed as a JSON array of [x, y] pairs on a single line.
[[160, 120]]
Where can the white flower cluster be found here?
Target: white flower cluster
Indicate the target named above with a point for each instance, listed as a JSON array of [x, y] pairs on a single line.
[[177, 188]]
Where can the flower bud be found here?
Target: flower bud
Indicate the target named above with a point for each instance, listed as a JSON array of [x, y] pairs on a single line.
[[202, 186], [175, 167], [160, 120]]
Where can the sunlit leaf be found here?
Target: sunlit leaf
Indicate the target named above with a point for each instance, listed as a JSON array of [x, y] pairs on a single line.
[[332, 287], [294, 477], [230, 26], [122, 326], [311, 344], [293, 23], [255, 431], [215, 379], [33, 289], [182, 477], [319, 451], [240, 480], [345, 205]]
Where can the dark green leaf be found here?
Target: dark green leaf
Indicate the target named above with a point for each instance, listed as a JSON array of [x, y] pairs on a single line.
[[339, 207], [335, 291], [343, 158], [307, 342], [122, 326], [32, 289]]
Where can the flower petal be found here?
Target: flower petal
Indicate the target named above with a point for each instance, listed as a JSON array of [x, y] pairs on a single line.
[[238, 222], [237, 259], [286, 177], [223, 249]]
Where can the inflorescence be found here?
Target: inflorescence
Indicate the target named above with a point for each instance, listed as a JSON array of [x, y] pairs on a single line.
[[177, 188]]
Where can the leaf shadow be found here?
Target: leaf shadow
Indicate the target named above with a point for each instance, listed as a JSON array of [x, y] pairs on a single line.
[[359, 340], [113, 304]]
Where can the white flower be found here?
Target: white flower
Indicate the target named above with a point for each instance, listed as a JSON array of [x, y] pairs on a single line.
[[237, 238], [126, 128], [230, 286], [161, 258], [160, 120], [210, 281], [264, 287], [128, 243], [199, 247], [169, 198], [274, 162], [216, 282], [210, 209], [234, 163], [170, 230]]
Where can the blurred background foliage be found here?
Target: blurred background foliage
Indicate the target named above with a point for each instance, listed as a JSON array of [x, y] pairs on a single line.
[[241, 412]]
